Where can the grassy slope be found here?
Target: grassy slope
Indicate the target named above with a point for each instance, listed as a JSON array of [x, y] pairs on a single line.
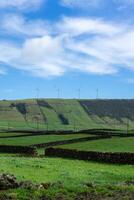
[[36, 115], [30, 140], [105, 145], [11, 117], [111, 113], [42, 117], [8, 114], [72, 110]]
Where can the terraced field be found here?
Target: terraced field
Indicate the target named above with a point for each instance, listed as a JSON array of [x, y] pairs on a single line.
[[116, 144]]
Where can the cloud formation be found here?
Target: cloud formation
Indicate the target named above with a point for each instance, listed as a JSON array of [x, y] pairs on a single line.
[[82, 4], [13, 24], [82, 44], [86, 4], [83, 26], [20, 4]]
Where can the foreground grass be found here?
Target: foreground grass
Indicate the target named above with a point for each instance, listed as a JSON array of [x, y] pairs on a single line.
[[58, 192], [30, 140], [72, 173], [69, 179], [115, 144]]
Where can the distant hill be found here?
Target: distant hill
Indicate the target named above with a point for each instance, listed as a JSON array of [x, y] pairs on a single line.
[[65, 114]]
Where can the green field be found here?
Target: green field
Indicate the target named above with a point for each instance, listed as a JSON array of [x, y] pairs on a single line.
[[4, 134], [68, 178], [72, 173], [30, 140], [116, 144]]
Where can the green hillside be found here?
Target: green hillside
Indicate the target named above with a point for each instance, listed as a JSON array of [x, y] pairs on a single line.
[[65, 114]]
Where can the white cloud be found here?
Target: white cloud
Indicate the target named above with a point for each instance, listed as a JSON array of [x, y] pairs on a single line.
[[19, 25], [49, 56], [43, 56], [82, 4], [8, 52], [80, 26], [20, 4], [86, 4], [87, 45], [39, 56]]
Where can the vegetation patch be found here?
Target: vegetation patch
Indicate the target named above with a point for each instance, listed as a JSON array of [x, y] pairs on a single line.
[[116, 109], [21, 107], [63, 119], [43, 103]]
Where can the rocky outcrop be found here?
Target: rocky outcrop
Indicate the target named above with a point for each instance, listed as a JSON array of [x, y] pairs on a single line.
[[8, 181]]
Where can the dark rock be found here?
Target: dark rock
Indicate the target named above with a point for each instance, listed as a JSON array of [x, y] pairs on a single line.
[[8, 181], [27, 185]]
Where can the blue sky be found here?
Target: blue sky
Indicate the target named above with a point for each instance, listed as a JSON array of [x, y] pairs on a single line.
[[66, 45]]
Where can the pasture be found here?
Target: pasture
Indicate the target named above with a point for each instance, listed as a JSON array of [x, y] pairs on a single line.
[[115, 144], [39, 139], [67, 177], [73, 173]]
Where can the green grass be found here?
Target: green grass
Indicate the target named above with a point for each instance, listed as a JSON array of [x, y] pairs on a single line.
[[67, 178], [72, 173], [30, 140], [115, 144]]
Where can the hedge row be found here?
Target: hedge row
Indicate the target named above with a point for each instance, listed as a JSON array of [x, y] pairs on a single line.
[[36, 133], [114, 158], [103, 132], [42, 132], [18, 149], [49, 144]]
